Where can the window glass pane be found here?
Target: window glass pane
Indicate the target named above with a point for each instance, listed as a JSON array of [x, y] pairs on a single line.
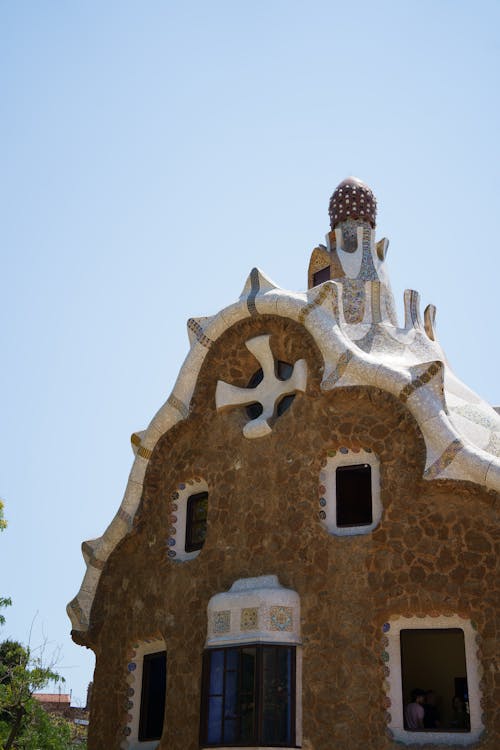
[[320, 276], [198, 533], [285, 404], [284, 370], [231, 695], [216, 672], [232, 658], [154, 683], [196, 521], [251, 712], [231, 729], [214, 720], [276, 714], [200, 508], [354, 495]]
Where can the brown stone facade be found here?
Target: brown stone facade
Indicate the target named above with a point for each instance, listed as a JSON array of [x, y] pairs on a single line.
[[434, 553]]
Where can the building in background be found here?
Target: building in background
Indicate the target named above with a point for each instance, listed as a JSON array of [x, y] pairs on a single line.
[[308, 532]]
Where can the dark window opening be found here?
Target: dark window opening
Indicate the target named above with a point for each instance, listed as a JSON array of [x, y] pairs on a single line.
[[354, 495], [283, 371], [321, 276], [254, 410], [434, 678], [284, 404], [256, 378], [154, 686], [249, 696], [196, 521]]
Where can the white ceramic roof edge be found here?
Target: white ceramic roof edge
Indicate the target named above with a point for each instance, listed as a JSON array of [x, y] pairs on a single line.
[[450, 455]]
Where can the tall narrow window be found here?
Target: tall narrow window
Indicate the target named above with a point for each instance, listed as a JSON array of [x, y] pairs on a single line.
[[249, 696], [154, 683], [354, 495], [196, 521], [349, 491]]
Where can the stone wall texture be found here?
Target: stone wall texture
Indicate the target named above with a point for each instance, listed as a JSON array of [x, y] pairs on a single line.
[[435, 551]]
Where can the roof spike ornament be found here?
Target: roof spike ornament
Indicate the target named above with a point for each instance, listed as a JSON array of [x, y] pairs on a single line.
[[352, 256]]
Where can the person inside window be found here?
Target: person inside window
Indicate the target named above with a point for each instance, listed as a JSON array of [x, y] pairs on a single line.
[[431, 714], [414, 711]]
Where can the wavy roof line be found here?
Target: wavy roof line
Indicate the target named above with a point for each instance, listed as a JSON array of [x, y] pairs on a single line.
[[460, 430]]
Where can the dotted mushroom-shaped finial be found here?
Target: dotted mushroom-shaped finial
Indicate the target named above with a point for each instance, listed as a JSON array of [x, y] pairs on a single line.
[[352, 199]]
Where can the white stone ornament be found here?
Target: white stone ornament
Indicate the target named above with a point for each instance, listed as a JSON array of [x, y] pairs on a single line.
[[267, 393]]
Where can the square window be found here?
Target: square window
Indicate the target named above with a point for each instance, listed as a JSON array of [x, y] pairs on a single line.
[[153, 692], [196, 521], [354, 495], [434, 680], [249, 696], [321, 276]]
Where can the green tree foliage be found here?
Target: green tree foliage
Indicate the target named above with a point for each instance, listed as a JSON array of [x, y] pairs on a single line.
[[4, 600], [24, 725], [3, 522]]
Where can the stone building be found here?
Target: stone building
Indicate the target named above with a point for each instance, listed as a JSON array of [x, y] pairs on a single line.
[[308, 532]]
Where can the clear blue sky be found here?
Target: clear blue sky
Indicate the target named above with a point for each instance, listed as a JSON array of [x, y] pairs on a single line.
[[151, 154]]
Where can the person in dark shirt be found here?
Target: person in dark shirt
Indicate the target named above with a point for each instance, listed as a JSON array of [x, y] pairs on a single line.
[[431, 714]]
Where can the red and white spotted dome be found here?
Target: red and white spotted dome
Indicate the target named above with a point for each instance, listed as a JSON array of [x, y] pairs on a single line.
[[352, 199]]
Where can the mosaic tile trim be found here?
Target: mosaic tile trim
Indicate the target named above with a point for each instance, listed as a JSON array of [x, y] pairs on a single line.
[[178, 500], [320, 298], [475, 415], [95, 562], [141, 450], [249, 619], [124, 516], [144, 452], [320, 258], [419, 381], [376, 293], [134, 691], [177, 404], [196, 328], [75, 607], [430, 321], [135, 439], [340, 369], [444, 460], [367, 271], [221, 621], [414, 302], [255, 288], [281, 618]]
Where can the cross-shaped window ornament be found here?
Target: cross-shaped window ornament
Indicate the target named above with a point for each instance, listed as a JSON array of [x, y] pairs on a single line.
[[270, 392]]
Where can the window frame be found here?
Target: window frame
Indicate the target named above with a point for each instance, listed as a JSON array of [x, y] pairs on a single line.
[[189, 544], [340, 458], [256, 739], [340, 472], [135, 666], [176, 542], [145, 694], [391, 656]]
